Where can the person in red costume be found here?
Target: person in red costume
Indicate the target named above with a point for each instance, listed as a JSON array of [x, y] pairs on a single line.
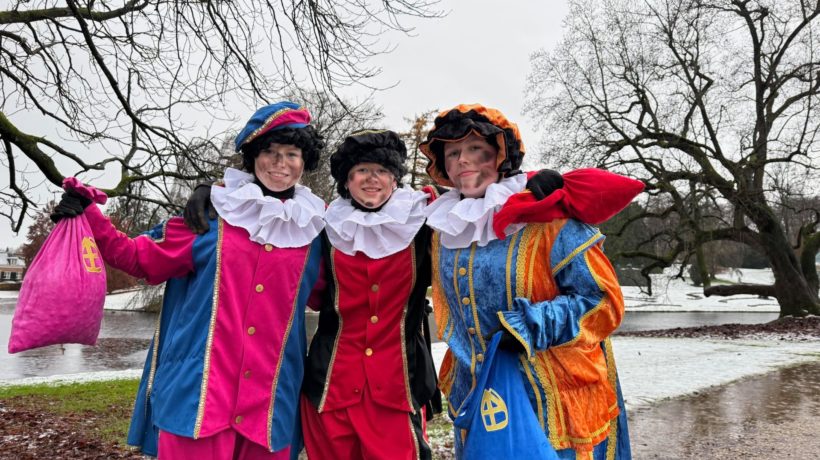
[[370, 379]]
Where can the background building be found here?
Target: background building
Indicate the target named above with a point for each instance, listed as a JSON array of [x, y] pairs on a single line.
[[12, 265]]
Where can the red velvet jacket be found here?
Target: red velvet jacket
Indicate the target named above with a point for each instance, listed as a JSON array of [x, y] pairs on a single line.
[[371, 331]]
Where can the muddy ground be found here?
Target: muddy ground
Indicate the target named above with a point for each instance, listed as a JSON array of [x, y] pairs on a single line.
[[773, 416]]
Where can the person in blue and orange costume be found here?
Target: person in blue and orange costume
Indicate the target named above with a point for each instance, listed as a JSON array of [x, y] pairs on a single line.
[[224, 370], [370, 380], [548, 286]]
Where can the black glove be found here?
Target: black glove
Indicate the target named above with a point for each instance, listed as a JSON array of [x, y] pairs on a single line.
[[544, 182], [510, 343], [198, 209], [72, 204]]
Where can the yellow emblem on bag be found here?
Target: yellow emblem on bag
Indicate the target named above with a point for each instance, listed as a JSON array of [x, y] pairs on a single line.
[[91, 256], [493, 411]]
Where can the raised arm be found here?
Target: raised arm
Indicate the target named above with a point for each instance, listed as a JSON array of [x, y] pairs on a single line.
[[155, 259]]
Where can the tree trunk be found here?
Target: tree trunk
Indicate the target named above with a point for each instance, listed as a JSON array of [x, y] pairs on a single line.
[[792, 289], [705, 276]]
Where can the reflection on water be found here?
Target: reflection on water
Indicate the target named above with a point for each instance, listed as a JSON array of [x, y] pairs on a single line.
[[776, 411], [646, 320], [121, 345], [124, 340]]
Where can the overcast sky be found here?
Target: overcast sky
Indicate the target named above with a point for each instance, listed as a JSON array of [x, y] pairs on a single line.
[[478, 53]]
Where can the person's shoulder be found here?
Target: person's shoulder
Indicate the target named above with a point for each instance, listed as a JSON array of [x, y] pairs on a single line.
[[572, 238]]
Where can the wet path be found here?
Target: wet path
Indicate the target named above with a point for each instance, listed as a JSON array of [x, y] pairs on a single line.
[[772, 416]]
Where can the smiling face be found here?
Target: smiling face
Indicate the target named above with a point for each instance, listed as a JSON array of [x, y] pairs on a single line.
[[370, 184], [471, 165], [279, 166]]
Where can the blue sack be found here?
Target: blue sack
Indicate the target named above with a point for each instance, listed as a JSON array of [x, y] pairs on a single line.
[[497, 415]]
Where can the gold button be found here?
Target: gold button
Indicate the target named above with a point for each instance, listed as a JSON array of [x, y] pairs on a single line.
[[471, 330], [269, 247], [479, 357], [238, 419], [374, 319], [374, 288], [260, 288], [465, 301], [368, 352], [462, 271], [251, 330], [247, 374]]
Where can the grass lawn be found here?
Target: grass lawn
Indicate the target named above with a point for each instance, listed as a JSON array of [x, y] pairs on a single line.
[[102, 410]]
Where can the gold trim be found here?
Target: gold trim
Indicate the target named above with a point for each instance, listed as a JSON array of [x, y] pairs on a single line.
[[533, 254], [275, 382], [592, 310], [164, 233], [535, 390], [592, 435], [514, 333], [338, 332], [441, 329], [250, 137], [367, 131], [154, 354], [552, 394], [508, 269], [575, 252], [455, 281], [521, 261], [612, 376], [473, 306], [214, 307], [558, 406], [415, 438], [406, 373], [460, 307]]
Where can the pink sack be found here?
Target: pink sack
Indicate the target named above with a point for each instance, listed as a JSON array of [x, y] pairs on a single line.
[[62, 297]]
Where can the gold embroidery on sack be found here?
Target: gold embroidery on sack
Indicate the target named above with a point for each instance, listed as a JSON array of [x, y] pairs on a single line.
[[494, 413], [91, 256]]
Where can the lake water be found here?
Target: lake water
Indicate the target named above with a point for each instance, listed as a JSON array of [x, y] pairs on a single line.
[[124, 337]]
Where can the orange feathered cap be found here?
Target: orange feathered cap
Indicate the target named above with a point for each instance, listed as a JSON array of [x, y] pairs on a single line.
[[459, 122]]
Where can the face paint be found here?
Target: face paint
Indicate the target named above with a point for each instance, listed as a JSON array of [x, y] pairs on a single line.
[[471, 165], [370, 184]]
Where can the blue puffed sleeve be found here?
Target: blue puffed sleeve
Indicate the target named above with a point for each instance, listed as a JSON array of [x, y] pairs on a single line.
[[541, 325]]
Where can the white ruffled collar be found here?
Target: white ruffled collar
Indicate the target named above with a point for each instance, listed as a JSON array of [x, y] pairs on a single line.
[[380, 233], [462, 222], [291, 223]]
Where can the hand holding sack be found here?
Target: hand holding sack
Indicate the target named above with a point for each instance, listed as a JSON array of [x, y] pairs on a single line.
[[62, 297], [497, 419]]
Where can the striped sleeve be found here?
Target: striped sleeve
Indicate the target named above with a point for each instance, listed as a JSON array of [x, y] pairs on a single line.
[[589, 306]]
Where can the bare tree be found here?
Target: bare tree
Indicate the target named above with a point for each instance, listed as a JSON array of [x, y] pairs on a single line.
[[127, 78], [416, 161], [334, 118], [708, 101]]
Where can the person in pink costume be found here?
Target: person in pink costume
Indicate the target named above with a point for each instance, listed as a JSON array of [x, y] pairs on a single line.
[[224, 370]]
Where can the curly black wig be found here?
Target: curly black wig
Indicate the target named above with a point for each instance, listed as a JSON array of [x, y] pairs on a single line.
[[307, 139], [383, 147]]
